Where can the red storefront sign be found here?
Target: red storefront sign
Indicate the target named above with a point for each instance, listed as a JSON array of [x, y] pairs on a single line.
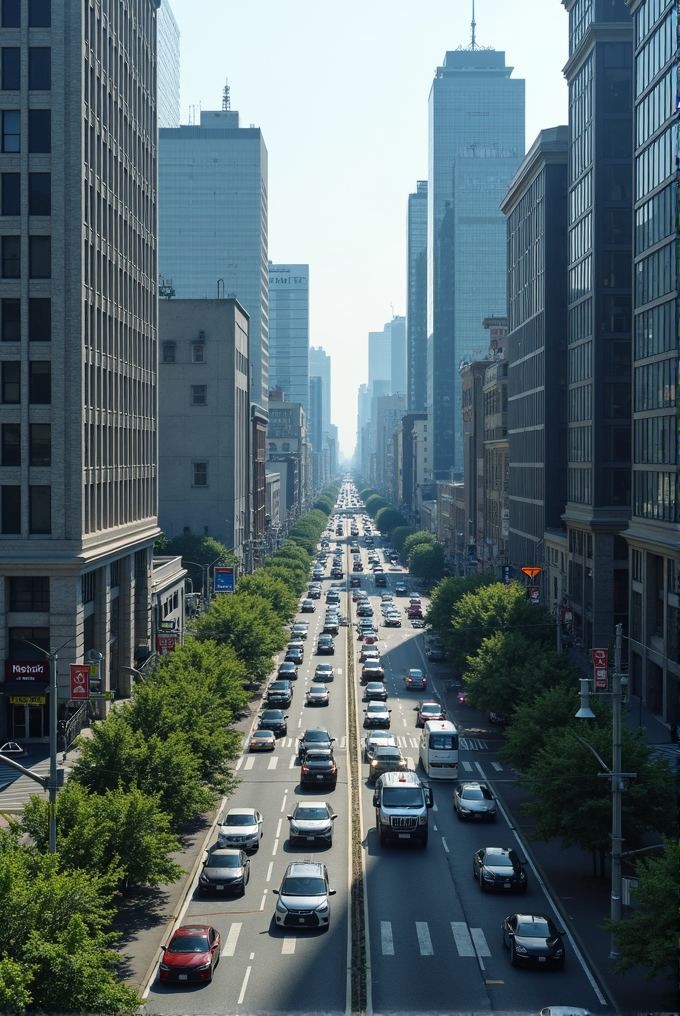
[[166, 643], [600, 668], [27, 670], [80, 681]]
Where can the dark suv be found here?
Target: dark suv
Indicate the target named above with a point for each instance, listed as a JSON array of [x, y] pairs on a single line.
[[280, 693], [274, 720], [315, 737], [318, 766]]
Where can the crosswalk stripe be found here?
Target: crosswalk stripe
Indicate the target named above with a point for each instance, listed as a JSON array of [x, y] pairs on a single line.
[[386, 940], [481, 947], [461, 937], [239, 764], [424, 940], [414, 743], [291, 764], [288, 947], [250, 762], [497, 766], [231, 940], [467, 766], [289, 743], [273, 762]]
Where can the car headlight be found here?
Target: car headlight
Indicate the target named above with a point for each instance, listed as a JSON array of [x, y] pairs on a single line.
[[204, 966], [423, 819], [294, 828], [465, 811], [520, 949], [558, 953], [204, 878], [488, 877], [164, 966], [322, 908], [374, 763], [522, 875], [281, 907]]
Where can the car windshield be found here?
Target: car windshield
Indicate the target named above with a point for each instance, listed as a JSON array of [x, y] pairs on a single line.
[[431, 709], [533, 929], [224, 861], [189, 944], [267, 734], [473, 794], [317, 689], [443, 742], [318, 757], [310, 814], [403, 797], [499, 860], [239, 820], [272, 714], [278, 686], [316, 735], [376, 707], [388, 756], [297, 886]]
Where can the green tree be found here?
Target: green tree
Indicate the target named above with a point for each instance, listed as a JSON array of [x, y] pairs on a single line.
[[388, 519], [324, 504], [445, 594], [250, 625], [494, 608], [398, 536], [374, 504], [416, 538], [290, 549], [287, 572], [427, 561], [366, 493], [277, 592], [15, 985], [571, 803], [121, 830], [649, 938], [203, 550], [508, 671], [532, 723]]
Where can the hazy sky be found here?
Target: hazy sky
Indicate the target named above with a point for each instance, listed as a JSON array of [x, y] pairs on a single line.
[[340, 90]]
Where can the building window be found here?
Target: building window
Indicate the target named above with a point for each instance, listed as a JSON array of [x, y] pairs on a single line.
[[11, 257], [40, 444], [197, 352], [285, 447], [39, 14], [11, 69], [11, 130], [199, 395], [40, 257], [11, 319], [40, 382], [11, 444], [11, 382], [114, 573], [88, 584], [169, 350], [39, 131], [19, 639], [11, 13], [39, 193], [200, 474], [39, 68], [11, 194], [39, 319], [29, 593], [637, 565], [10, 503], [40, 509]]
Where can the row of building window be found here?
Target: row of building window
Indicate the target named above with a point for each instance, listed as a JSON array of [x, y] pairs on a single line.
[[39, 510], [580, 19], [655, 275], [527, 446], [39, 194], [655, 385], [580, 121], [39, 125], [29, 593], [581, 321], [580, 485], [580, 444], [656, 330], [581, 238], [39, 13], [580, 196], [39, 257], [655, 164], [580, 279], [39, 319], [654, 496], [615, 484], [655, 219], [39, 444], [39, 68], [655, 440], [647, 16], [655, 109], [39, 382], [580, 362], [580, 403], [118, 502]]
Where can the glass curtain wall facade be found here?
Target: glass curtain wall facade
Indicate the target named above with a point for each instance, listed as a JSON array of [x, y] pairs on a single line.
[[320, 366], [536, 210], [654, 535], [168, 67], [476, 142], [416, 300], [599, 77], [397, 328], [289, 332]]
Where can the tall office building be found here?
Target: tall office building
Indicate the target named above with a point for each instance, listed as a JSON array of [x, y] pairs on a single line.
[[397, 328], [380, 356], [320, 366], [78, 337], [599, 75], [653, 535], [316, 413], [416, 300], [476, 141], [289, 332], [168, 67], [536, 210], [212, 193]]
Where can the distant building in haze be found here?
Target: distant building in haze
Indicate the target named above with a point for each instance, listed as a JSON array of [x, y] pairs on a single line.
[[289, 332], [320, 365], [397, 327], [168, 67], [416, 300]]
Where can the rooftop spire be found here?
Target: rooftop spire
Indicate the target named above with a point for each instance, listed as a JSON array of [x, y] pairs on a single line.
[[473, 25]]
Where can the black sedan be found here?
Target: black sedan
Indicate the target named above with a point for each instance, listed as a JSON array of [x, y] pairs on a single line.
[[294, 654], [288, 671], [225, 870], [533, 940], [319, 766], [315, 738], [325, 646], [274, 720], [499, 868]]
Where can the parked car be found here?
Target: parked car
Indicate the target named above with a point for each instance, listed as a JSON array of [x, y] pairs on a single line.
[[311, 820], [499, 868], [304, 896], [225, 870], [280, 693], [307, 607], [191, 955], [288, 671], [325, 646], [474, 800], [533, 939], [317, 695], [295, 654], [299, 631], [436, 654]]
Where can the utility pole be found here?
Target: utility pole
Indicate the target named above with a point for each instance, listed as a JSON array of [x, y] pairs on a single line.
[[558, 626], [617, 787], [52, 785]]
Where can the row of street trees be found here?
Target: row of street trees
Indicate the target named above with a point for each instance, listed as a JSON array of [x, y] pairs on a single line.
[[154, 764], [504, 647], [419, 550]]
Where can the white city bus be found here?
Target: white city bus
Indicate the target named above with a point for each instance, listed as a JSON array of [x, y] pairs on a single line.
[[439, 750]]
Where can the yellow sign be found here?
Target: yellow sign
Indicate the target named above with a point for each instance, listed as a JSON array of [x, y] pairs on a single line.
[[27, 700]]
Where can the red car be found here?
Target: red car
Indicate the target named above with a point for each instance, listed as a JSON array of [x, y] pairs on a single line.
[[414, 611], [430, 711], [192, 954]]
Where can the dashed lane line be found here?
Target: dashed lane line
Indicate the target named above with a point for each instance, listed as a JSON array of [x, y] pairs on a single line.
[[269, 872], [386, 939], [445, 844], [497, 766], [246, 978]]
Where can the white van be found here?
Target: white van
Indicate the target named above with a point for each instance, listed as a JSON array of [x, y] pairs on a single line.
[[438, 750]]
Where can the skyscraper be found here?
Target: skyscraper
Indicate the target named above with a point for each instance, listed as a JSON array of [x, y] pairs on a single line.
[[416, 300], [476, 141], [212, 191], [289, 332], [380, 357], [78, 340], [397, 329], [320, 365], [168, 67]]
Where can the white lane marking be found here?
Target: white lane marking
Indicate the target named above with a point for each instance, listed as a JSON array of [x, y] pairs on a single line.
[[414, 742], [339, 671], [288, 947], [290, 743], [291, 765], [467, 767], [462, 938], [273, 762], [424, 940], [276, 847], [343, 742], [252, 956], [231, 940], [244, 985], [386, 939], [434, 805], [481, 948], [403, 721], [283, 803], [264, 898], [239, 763], [483, 774], [445, 844], [300, 722], [435, 828], [497, 766], [269, 871], [278, 828], [250, 762]]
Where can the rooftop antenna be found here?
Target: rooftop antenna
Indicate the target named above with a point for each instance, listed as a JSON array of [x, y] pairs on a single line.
[[226, 96], [473, 25], [392, 306]]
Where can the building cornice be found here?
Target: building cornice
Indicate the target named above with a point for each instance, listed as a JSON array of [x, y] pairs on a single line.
[[616, 31]]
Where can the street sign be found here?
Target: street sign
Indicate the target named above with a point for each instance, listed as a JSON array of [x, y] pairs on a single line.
[[166, 644], [600, 668], [223, 580], [80, 681], [531, 570], [534, 595], [506, 574], [95, 680]]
